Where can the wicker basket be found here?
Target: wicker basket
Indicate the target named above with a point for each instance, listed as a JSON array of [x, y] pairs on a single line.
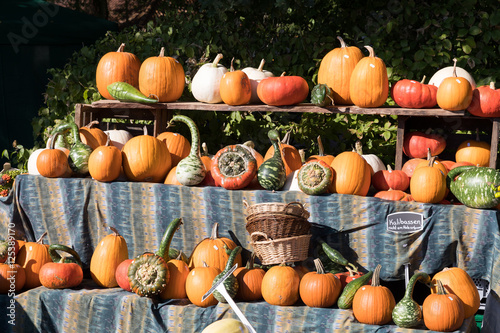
[[292, 208], [280, 250], [277, 225]]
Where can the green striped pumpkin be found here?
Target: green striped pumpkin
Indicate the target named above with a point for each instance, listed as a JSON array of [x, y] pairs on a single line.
[[475, 187], [407, 313], [272, 174]]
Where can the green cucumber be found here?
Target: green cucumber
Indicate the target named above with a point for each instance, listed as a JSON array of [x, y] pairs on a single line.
[[190, 170], [321, 95], [272, 174], [347, 295], [231, 283], [407, 313], [124, 92], [475, 187]]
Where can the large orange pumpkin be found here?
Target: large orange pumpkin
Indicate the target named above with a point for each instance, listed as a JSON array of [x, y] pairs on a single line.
[[369, 86], [235, 87], [32, 256], [476, 152], [336, 69], [146, 159], [162, 77], [454, 93], [213, 251], [352, 174], [178, 145], [117, 66], [280, 285]]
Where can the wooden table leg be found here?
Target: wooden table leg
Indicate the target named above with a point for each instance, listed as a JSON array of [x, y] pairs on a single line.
[[399, 141], [494, 143]]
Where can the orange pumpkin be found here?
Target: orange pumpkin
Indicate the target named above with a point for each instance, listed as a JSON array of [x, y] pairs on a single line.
[[52, 162], [249, 281], [11, 273], [369, 85], [476, 152], [442, 311], [171, 178], [146, 159], [212, 251], [176, 286], [105, 163], [336, 69], [283, 90], [454, 93], [394, 195], [290, 155], [352, 174], [410, 165], [280, 285], [177, 144], [319, 289], [92, 136], [384, 180], [428, 183], [117, 66], [235, 87], [32, 256], [321, 154], [198, 282], [485, 101], [162, 77]]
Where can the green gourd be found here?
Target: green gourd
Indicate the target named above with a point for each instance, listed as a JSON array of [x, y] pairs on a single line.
[[125, 92], [231, 283], [148, 273], [321, 95], [407, 313], [272, 174], [56, 257], [79, 152], [335, 256], [190, 170], [315, 177], [347, 295], [475, 187]]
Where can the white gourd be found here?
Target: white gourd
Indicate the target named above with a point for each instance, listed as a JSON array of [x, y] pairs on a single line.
[[118, 137], [256, 75], [205, 86]]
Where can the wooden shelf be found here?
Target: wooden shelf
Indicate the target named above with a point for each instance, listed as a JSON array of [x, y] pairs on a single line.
[[160, 113]]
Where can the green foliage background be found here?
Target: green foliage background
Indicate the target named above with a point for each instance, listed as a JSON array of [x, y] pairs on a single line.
[[414, 38]]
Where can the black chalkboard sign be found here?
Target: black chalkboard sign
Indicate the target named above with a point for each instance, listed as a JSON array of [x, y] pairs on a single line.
[[405, 222]]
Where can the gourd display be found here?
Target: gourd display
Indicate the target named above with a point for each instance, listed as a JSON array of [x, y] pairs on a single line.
[[416, 144], [454, 93], [272, 173], [280, 285], [62, 272], [179, 271], [475, 187], [321, 95], [336, 69], [108, 254], [233, 167], [290, 155], [443, 311], [226, 325], [119, 66], [474, 151], [369, 84], [148, 273], [162, 77], [214, 251], [92, 135], [198, 282], [105, 163], [457, 281], [428, 183], [485, 101], [407, 313], [205, 85], [11, 272], [125, 92], [373, 304], [190, 170], [315, 177], [146, 159], [178, 145], [256, 75], [32, 256], [235, 87], [283, 90], [414, 95], [52, 162], [352, 174], [319, 289], [249, 281], [231, 282]]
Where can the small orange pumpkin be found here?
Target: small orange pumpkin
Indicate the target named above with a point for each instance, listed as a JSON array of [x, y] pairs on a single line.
[[476, 152], [321, 154], [235, 87], [319, 289], [11, 273], [105, 163], [178, 145], [428, 183], [176, 286], [249, 281], [280, 285], [93, 136], [52, 162], [442, 311], [384, 180], [198, 282], [32, 256], [454, 93]]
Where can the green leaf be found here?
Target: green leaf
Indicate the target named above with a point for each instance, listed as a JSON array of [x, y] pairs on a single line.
[[462, 32], [474, 30], [419, 55]]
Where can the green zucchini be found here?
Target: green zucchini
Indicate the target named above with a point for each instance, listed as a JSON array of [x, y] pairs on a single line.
[[347, 295], [475, 187], [231, 283], [124, 92], [271, 175], [407, 313], [335, 255], [190, 170], [321, 95]]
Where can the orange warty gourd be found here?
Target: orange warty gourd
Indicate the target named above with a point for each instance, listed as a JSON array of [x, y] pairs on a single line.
[[117, 66], [198, 282], [162, 77], [428, 183], [369, 85], [92, 136], [212, 251], [32, 256], [280, 285], [235, 87], [105, 163], [336, 69], [178, 145], [319, 289], [108, 254], [476, 152], [352, 174], [146, 159], [454, 93], [456, 281], [442, 311], [290, 155]]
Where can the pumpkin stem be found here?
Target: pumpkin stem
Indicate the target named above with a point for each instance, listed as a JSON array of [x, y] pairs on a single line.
[[423, 80], [261, 66], [376, 276], [432, 160], [440, 288], [320, 269], [370, 49], [217, 59], [162, 52], [342, 43], [286, 138], [215, 231], [429, 154], [121, 47], [454, 67], [250, 262], [389, 168], [92, 123], [179, 256], [358, 147], [108, 140], [283, 74], [232, 68], [302, 154], [204, 148], [40, 240], [353, 269], [321, 150], [492, 85], [145, 130]]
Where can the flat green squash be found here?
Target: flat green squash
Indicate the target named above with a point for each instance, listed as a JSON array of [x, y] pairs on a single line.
[[475, 187]]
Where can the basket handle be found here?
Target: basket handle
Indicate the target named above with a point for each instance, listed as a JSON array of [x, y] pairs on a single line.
[[294, 203], [258, 233], [245, 203]]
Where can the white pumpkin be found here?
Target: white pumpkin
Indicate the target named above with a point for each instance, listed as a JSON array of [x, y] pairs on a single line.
[[443, 73], [373, 160], [256, 75], [292, 182], [226, 325], [118, 137], [205, 86]]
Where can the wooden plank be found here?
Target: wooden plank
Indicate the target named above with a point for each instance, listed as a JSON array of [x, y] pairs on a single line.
[[399, 142], [494, 143]]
